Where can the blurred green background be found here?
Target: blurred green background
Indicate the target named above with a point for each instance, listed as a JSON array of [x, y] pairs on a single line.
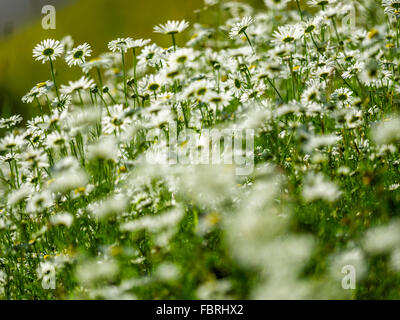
[[93, 21]]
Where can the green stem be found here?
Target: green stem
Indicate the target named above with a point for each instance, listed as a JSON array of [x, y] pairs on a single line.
[[335, 27], [40, 108], [273, 86], [54, 77], [100, 78], [173, 41], [248, 40], [124, 70], [80, 97], [298, 6], [134, 65]]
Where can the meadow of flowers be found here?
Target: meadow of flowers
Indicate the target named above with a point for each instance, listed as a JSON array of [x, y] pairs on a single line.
[[93, 208]]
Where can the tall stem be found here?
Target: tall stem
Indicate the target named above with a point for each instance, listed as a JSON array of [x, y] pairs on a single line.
[[298, 6], [54, 77], [273, 86], [124, 71], [173, 41], [40, 108], [100, 78], [248, 40], [134, 65]]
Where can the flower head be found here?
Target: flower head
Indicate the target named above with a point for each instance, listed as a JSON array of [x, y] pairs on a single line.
[[121, 44], [171, 27], [139, 43], [48, 49], [77, 56], [74, 86], [287, 34], [392, 7], [240, 27]]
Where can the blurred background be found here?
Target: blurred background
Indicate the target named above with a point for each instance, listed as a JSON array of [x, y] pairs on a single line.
[[94, 21]]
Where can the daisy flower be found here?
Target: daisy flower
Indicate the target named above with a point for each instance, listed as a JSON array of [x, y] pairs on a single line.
[[171, 27], [11, 142], [320, 3], [68, 43], [139, 43], [74, 86], [316, 187], [39, 202], [198, 90], [311, 25], [276, 4], [48, 50], [120, 44], [235, 84], [116, 121], [77, 56], [253, 93], [37, 91], [35, 158], [287, 34], [218, 100], [343, 95], [62, 102], [10, 122], [151, 55], [96, 63], [240, 27], [311, 95], [181, 56], [56, 140], [151, 83], [392, 7]]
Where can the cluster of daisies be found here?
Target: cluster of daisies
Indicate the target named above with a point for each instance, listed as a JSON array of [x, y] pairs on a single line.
[[84, 214]]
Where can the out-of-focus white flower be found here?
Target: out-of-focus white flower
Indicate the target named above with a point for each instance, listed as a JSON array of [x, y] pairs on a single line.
[[64, 218], [382, 239], [105, 149], [387, 132], [91, 271], [317, 187], [112, 205]]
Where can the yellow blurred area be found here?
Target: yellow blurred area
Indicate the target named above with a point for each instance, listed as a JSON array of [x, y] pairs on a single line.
[[94, 21]]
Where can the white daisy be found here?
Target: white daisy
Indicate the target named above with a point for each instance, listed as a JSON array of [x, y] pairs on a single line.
[[77, 56], [171, 27], [48, 50], [320, 3], [392, 7], [139, 43], [276, 4], [287, 34], [240, 27], [120, 44], [37, 91], [10, 122], [11, 142], [96, 63], [74, 86], [56, 140]]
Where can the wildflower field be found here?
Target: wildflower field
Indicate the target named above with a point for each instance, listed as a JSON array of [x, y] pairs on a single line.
[[258, 160]]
